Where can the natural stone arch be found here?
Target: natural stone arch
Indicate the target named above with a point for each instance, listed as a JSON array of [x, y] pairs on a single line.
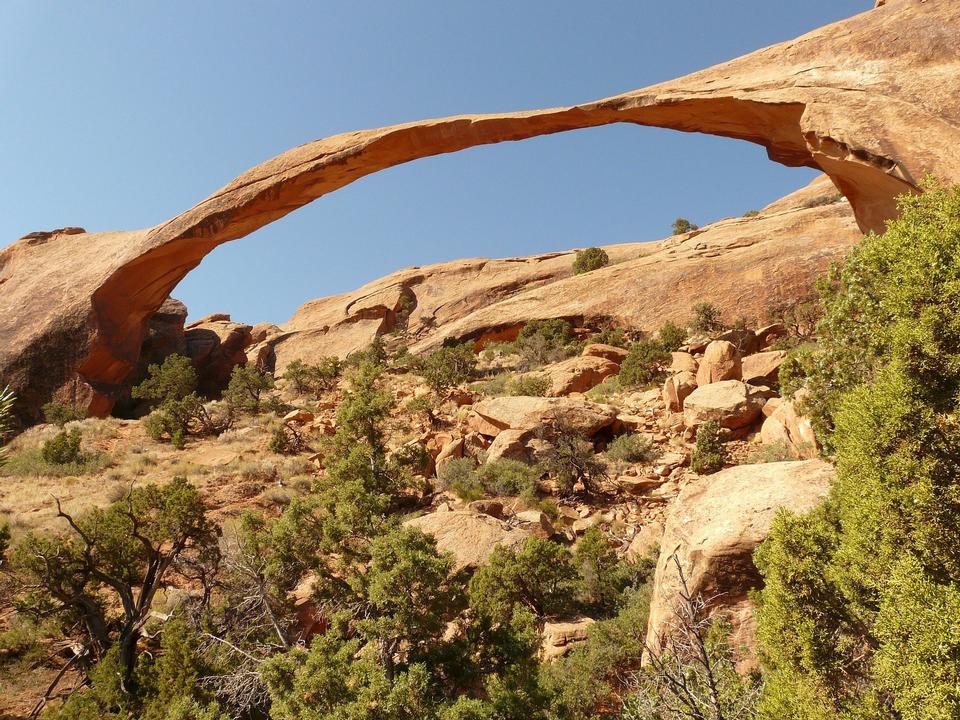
[[872, 101]]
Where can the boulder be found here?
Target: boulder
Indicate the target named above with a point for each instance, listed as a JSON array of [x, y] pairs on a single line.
[[470, 537], [450, 451], [648, 538], [732, 403], [683, 362], [577, 374], [216, 345], [531, 413], [720, 361], [535, 521], [763, 368], [561, 636], [676, 388], [713, 528], [784, 426], [607, 352], [770, 333], [510, 445], [743, 339]]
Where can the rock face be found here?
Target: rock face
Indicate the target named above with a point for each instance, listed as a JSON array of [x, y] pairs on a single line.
[[731, 403], [763, 367], [469, 536], [677, 388], [531, 413], [713, 528], [785, 426], [215, 345], [578, 374], [872, 101]]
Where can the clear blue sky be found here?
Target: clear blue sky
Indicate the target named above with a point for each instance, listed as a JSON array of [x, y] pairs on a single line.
[[119, 115]]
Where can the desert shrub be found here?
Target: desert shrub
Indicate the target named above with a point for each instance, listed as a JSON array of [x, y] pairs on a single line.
[[709, 452], [644, 363], [593, 258], [603, 392], [317, 378], [529, 385], [495, 386], [570, 459], [682, 225], [63, 449], [245, 388], [606, 581], [174, 420], [57, 413], [632, 448], [374, 354], [858, 593], [545, 341], [286, 440], [447, 367], [611, 336], [539, 576], [706, 318], [420, 405], [772, 452], [500, 477], [671, 336], [175, 379], [7, 399], [751, 213]]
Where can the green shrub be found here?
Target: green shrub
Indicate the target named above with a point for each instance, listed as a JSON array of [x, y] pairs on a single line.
[[772, 452], [707, 318], [447, 367], [374, 354], [420, 405], [246, 386], [286, 440], [671, 336], [751, 213], [709, 453], [593, 258], [860, 605], [606, 581], [497, 478], [529, 385], [57, 413], [461, 478], [63, 449], [611, 336], [633, 448], [315, 379], [174, 420], [570, 459], [496, 386], [644, 363], [544, 341], [603, 392], [682, 225], [175, 379]]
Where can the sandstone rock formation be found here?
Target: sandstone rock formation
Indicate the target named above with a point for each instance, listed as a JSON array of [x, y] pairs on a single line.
[[577, 374], [872, 101], [530, 413], [720, 361], [713, 528], [732, 403], [676, 388], [786, 427], [762, 367], [469, 536]]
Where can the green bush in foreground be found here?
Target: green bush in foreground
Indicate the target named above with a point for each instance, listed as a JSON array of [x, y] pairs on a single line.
[[593, 258], [860, 610]]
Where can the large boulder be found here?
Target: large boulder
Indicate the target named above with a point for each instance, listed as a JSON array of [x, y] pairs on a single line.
[[676, 388], [577, 374], [216, 345], [75, 305], [786, 427], [713, 528], [531, 413], [683, 362], [763, 368], [470, 537], [561, 636], [720, 361], [607, 352], [509, 445], [732, 403]]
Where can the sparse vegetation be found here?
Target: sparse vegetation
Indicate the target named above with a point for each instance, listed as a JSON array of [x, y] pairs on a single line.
[[772, 452], [593, 258], [499, 478], [447, 367], [544, 341], [7, 398], [315, 379], [682, 225], [57, 413], [707, 318], [644, 363], [570, 460], [529, 385], [709, 452], [246, 387], [671, 336], [611, 336], [631, 448]]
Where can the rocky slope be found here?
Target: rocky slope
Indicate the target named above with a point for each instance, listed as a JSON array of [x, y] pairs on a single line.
[[872, 101]]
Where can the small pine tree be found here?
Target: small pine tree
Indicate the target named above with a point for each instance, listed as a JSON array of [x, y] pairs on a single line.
[[593, 258], [709, 453], [671, 336], [644, 363]]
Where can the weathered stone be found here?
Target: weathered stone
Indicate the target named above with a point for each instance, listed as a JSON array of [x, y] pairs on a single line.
[[536, 521], [676, 388], [577, 374], [683, 362], [732, 403], [470, 537], [763, 368], [720, 361], [875, 116], [509, 445], [713, 528], [531, 413], [607, 352], [561, 636], [786, 427]]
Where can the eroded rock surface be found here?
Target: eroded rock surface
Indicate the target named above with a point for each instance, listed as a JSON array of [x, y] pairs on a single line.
[[872, 101]]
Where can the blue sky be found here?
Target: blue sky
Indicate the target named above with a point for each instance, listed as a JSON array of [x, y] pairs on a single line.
[[120, 115]]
